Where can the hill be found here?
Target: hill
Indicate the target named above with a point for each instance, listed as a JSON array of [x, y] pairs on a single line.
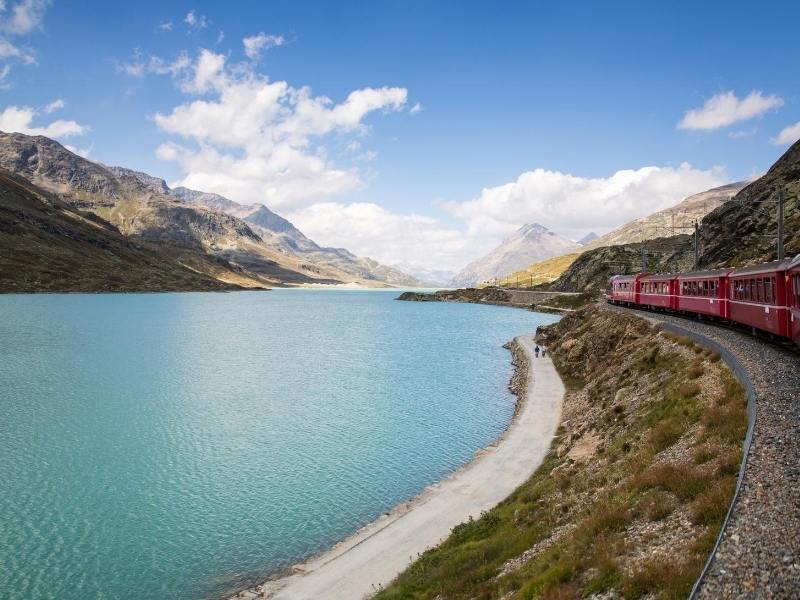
[[529, 244], [280, 233], [46, 245], [671, 221], [545, 271], [214, 239]]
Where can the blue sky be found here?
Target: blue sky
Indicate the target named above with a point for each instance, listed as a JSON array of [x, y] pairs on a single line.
[[482, 116]]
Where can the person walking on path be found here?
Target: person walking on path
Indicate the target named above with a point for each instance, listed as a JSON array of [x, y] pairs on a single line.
[[544, 352], [536, 351]]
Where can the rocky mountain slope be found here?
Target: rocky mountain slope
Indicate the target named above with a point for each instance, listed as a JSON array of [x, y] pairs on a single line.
[[739, 232], [213, 238], [670, 221], [282, 234], [46, 245], [530, 243]]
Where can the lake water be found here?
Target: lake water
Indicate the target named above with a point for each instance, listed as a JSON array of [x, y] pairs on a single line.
[[180, 446]]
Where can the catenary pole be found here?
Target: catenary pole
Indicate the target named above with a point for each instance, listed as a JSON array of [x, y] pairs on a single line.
[[780, 224]]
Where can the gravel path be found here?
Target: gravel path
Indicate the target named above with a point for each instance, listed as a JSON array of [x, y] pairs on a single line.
[[759, 554]]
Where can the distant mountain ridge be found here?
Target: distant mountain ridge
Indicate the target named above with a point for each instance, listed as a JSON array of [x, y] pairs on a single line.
[[529, 244], [282, 234], [670, 221], [740, 231], [232, 243]]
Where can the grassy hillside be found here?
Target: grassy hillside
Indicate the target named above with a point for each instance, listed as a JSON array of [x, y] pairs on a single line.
[[632, 495], [46, 245], [545, 271]]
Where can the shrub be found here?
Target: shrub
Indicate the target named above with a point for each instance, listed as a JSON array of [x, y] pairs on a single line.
[[665, 434], [709, 508], [703, 453], [695, 371], [682, 480], [656, 505], [689, 390], [671, 579], [727, 422]]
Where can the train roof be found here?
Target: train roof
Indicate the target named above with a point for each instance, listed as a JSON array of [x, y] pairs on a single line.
[[705, 274], [659, 276], [626, 277], [770, 267], [795, 264]]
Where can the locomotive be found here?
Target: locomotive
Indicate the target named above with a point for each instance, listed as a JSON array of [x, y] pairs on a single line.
[[764, 297]]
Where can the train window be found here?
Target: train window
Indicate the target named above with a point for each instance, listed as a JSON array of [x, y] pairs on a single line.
[[797, 290], [768, 291], [760, 290]]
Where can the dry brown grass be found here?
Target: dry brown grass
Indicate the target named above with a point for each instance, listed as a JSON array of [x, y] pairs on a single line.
[[683, 480], [711, 506]]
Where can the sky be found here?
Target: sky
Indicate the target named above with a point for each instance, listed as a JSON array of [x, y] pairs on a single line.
[[417, 133]]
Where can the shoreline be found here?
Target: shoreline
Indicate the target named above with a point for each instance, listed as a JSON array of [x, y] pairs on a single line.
[[362, 563]]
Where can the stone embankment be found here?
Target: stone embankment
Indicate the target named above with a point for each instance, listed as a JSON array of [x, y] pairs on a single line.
[[759, 552], [532, 299]]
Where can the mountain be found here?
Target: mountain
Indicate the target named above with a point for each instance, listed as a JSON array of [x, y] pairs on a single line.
[[213, 239], [429, 277], [529, 244], [283, 235], [46, 245], [588, 238], [739, 232], [671, 221]]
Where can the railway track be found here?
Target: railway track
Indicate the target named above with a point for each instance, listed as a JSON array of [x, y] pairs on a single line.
[[758, 550]]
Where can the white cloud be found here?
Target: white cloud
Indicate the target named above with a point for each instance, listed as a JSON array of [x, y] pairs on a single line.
[[195, 21], [367, 156], [256, 140], [256, 44], [743, 133], [567, 204], [53, 106], [165, 26], [368, 229], [20, 118], [5, 70], [139, 66], [22, 18], [84, 152], [725, 109], [9, 50], [25, 16], [417, 108], [574, 206], [788, 135]]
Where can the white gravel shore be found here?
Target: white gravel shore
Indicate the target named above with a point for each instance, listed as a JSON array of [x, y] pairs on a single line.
[[375, 555]]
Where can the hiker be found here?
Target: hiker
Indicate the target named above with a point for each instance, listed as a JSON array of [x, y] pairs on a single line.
[[544, 352], [536, 351]]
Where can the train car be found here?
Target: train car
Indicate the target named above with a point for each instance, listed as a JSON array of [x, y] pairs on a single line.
[[658, 290], [624, 289], [793, 293], [758, 297], [704, 293]]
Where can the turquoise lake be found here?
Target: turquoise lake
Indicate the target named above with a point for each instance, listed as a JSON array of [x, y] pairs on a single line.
[[181, 446]]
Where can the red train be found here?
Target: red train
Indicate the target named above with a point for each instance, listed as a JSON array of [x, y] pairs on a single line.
[[765, 297]]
